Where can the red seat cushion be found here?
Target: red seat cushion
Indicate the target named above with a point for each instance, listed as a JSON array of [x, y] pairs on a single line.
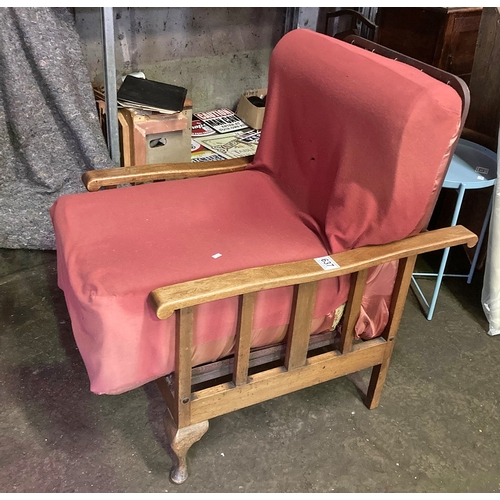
[[115, 246]]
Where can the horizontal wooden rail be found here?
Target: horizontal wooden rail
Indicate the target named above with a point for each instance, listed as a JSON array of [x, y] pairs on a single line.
[[258, 356], [224, 398], [166, 300], [96, 179]]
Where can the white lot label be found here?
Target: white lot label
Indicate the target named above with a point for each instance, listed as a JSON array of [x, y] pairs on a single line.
[[327, 263]]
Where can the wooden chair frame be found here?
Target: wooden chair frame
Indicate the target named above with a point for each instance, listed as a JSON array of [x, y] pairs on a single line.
[[195, 395]]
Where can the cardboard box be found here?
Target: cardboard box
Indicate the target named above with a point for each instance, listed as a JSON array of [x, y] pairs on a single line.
[[250, 114]]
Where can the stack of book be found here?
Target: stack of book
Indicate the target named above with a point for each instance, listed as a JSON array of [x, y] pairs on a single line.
[[149, 95]]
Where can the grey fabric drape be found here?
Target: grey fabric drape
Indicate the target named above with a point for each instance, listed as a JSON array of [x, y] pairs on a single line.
[[490, 297], [49, 130]]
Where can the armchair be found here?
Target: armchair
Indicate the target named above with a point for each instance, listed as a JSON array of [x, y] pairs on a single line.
[[243, 280]]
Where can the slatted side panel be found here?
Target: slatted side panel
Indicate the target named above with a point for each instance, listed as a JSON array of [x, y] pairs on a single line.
[[298, 335], [299, 371]]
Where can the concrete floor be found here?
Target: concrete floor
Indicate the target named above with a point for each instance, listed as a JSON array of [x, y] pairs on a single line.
[[436, 430]]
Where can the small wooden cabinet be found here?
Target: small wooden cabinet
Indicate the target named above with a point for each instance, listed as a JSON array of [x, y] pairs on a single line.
[[443, 37]]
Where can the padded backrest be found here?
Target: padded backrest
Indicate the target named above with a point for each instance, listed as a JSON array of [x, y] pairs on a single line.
[[358, 141]]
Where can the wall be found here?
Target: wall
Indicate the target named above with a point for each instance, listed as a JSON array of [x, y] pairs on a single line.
[[217, 53]]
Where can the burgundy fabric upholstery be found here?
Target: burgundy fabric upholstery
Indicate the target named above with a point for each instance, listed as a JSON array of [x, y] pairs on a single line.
[[357, 141], [352, 152], [360, 143]]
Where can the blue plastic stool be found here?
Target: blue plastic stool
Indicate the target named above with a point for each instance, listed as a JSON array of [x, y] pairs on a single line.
[[472, 167]]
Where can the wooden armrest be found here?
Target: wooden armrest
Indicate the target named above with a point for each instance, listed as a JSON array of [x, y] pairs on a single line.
[[166, 300], [95, 179]]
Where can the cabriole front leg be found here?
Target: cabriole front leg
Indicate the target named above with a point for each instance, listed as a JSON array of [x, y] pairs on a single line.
[[180, 440]]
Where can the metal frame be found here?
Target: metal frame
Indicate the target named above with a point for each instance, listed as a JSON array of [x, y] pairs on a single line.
[[108, 39], [464, 186]]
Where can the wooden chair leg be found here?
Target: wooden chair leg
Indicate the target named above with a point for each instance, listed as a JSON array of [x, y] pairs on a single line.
[[399, 293], [377, 381], [180, 440]]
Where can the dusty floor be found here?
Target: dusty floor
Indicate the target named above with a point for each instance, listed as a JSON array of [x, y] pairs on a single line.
[[437, 429]]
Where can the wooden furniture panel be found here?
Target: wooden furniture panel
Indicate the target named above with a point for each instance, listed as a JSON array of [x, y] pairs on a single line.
[[484, 116], [443, 37]]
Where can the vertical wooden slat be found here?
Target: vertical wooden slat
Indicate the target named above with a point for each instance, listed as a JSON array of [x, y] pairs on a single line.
[[398, 300], [300, 326], [182, 384], [243, 338], [399, 294], [351, 315]]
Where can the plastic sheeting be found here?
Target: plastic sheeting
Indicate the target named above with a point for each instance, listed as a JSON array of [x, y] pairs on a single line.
[[491, 287], [49, 130]]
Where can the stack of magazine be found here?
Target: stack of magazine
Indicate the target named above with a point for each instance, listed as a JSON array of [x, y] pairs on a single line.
[[219, 134]]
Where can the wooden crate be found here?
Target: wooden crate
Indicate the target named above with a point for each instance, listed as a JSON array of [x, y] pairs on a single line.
[[148, 137], [152, 138]]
